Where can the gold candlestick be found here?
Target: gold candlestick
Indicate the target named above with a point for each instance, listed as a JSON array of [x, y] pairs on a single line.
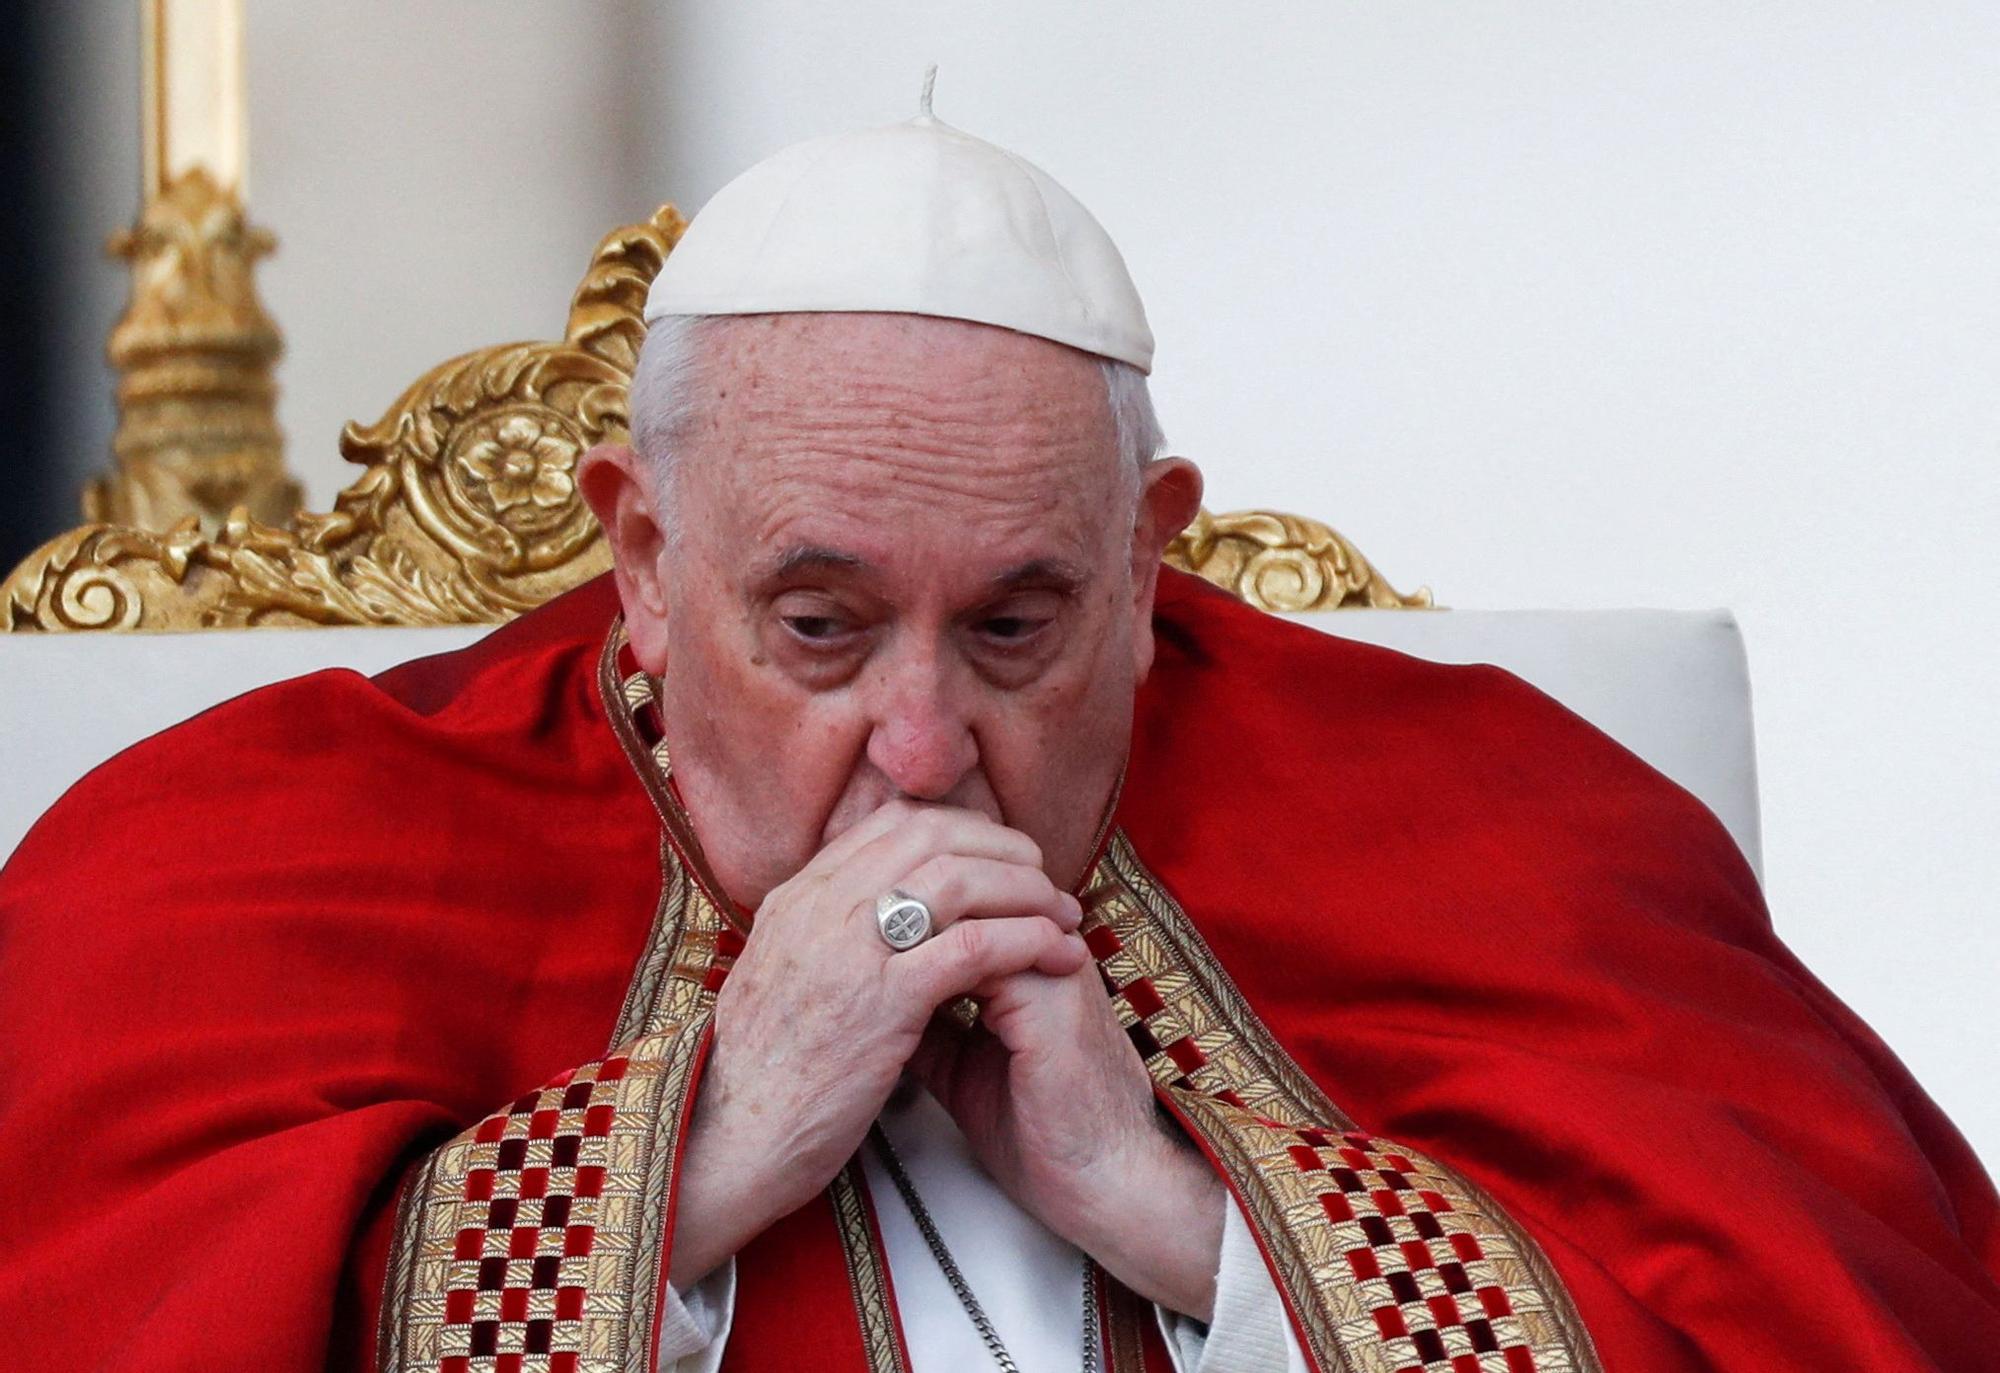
[[197, 429]]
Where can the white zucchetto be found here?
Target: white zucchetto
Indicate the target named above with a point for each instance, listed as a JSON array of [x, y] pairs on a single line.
[[915, 218]]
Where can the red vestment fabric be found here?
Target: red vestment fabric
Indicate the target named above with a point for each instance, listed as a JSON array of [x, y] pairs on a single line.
[[255, 967]]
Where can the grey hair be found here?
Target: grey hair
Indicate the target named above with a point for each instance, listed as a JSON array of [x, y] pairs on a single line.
[[662, 395], [666, 393]]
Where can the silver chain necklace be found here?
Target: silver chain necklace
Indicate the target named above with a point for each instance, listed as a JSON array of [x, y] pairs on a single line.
[[892, 1164]]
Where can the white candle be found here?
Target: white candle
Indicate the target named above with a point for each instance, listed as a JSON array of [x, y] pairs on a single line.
[[195, 91]]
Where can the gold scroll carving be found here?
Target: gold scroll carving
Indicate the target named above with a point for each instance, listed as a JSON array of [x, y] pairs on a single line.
[[467, 509], [1285, 563]]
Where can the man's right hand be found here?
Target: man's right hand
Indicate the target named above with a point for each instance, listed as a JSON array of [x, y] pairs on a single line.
[[819, 1015]]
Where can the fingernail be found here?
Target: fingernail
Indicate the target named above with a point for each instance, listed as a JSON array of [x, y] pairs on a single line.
[[1075, 909]]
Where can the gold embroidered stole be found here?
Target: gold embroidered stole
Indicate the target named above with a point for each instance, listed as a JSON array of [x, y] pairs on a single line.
[[1389, 1261], [535, 1240]]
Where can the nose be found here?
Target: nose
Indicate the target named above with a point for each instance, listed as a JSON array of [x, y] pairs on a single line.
[[920, 735]]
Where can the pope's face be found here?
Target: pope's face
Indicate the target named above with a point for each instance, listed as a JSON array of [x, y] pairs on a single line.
[[907, 567]]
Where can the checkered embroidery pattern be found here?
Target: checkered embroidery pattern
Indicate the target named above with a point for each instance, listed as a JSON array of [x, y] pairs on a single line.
[[1414, 1270], [1433, 1297], [526, 1228], [1184, 1042], [1167, 1044], [526, 1240]]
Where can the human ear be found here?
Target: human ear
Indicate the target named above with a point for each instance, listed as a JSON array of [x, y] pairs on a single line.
[[1169, 499], [619, 486]]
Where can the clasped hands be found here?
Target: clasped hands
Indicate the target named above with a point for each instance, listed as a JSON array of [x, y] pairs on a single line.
[[820, 1018]]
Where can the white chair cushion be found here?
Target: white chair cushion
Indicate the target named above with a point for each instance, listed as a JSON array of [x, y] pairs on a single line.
[[1671, 686]]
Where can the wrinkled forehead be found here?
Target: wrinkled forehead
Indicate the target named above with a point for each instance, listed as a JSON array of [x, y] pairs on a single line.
[[902, 439]]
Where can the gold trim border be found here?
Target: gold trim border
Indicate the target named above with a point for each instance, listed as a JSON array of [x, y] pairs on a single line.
[[867, 1271]]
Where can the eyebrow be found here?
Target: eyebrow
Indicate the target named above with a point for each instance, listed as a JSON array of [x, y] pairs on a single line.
[[814, 558], [1053, 573]]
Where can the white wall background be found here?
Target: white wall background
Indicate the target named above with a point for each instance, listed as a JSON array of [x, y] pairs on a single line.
[[1672, 304]]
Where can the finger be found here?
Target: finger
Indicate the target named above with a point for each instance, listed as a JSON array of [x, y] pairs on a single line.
[[934, 830], [1081, 984], [956, 887], [866, 830], [974, 951], [828, 869]]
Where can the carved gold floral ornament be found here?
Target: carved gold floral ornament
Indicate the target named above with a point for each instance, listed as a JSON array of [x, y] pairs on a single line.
[[467, 509], [519, 461]]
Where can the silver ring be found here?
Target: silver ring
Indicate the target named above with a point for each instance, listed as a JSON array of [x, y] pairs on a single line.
[[905, 922]]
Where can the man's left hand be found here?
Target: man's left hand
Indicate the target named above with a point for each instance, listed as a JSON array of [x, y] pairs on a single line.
[[1059, 1109]]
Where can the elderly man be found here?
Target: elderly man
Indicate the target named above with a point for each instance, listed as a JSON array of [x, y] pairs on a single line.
[[904, 928]]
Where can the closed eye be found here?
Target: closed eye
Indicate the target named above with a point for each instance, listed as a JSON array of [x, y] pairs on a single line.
[[1018, 623], [821, 631], [1010, 626], [816, 628]]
